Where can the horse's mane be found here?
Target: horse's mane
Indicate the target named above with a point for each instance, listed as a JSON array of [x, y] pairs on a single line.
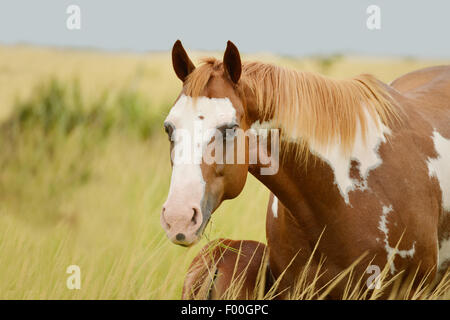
[[308, 107]]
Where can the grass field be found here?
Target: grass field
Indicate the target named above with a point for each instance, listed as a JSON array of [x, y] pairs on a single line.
[[85, 169]]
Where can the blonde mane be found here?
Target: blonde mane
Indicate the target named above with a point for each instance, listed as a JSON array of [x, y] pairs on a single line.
[[308, 107]]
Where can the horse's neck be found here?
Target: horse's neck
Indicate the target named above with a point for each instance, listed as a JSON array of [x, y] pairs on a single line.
[[297, 185], [294, 184]]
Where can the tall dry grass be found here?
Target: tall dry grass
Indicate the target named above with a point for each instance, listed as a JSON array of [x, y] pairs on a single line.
[[205, 278]]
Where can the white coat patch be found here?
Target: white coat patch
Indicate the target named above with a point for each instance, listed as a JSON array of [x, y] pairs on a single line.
[[364, 152], [439, 167], [444, 253], [275, 207], [392, 252]]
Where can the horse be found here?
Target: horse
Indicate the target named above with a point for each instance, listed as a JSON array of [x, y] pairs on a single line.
[[228, 269], [363, 165]]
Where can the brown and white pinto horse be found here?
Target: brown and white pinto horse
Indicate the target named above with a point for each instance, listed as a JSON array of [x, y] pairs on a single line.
[[366, 161]]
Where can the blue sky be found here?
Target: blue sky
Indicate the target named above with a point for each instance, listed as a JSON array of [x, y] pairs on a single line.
[[408, 28]]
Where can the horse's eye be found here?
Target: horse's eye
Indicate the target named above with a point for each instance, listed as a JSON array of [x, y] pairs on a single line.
[[169, 128], [229, 131]]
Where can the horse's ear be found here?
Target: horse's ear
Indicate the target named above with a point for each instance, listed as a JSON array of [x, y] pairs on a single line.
[[232, 62], [182, 65]]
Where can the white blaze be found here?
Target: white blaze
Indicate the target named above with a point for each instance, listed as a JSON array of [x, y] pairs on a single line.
[[195, 124]]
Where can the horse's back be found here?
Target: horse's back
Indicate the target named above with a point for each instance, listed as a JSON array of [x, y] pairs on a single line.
[[424, 80], [425, 95]]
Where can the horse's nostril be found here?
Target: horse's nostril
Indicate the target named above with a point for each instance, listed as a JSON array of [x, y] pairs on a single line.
[[180, 237], [194, 216]]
